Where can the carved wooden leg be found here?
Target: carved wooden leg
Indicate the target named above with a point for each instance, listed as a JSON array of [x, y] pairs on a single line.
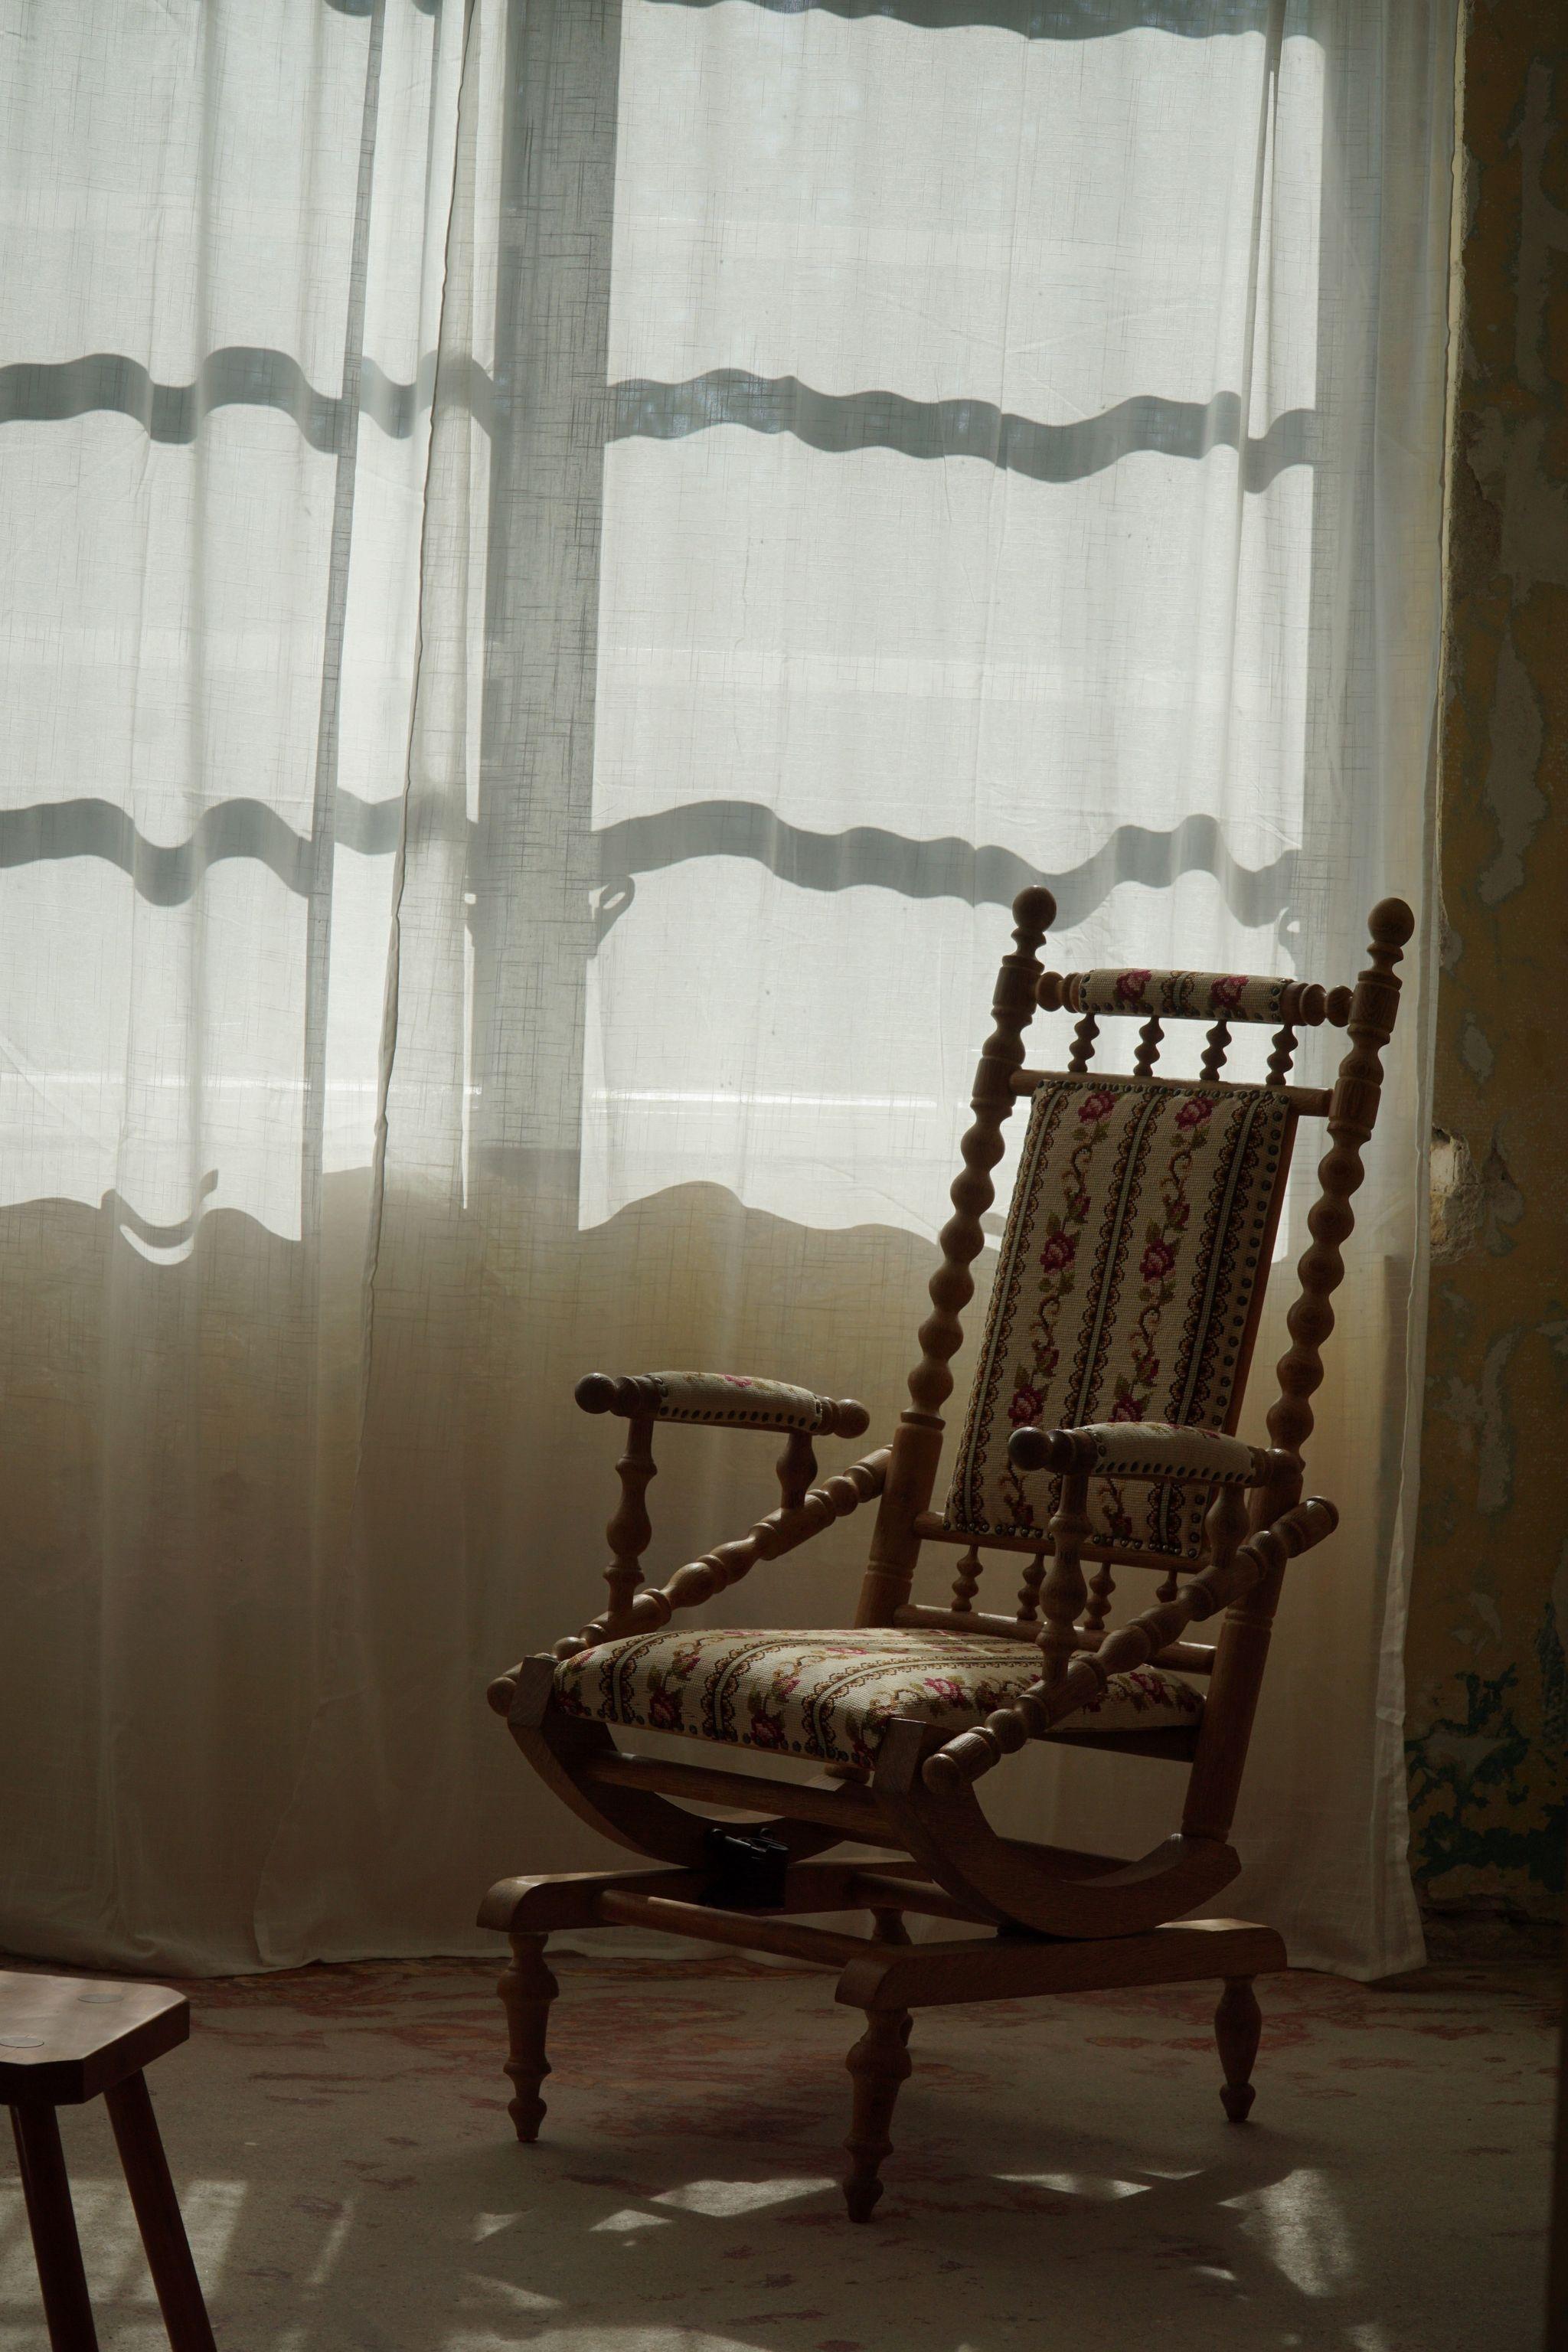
[[527, 1989], [1237, 2022], [878, 2064], [888, 1928]]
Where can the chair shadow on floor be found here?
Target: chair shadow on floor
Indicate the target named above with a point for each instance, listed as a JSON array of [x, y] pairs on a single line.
[[707, 2239]]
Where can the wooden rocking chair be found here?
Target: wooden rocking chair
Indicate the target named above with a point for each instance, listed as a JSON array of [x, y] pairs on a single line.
[[1117, 1343]]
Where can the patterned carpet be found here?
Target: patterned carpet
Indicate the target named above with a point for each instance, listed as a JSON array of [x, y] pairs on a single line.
[[1063, 2176]]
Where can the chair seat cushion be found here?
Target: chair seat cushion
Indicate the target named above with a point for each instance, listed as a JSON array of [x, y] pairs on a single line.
[[831, 1695]]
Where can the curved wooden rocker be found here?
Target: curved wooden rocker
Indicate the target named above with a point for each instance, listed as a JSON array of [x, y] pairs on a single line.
[[1100, 1434]]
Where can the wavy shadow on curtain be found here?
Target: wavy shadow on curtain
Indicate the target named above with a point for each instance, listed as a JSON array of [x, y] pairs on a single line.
[[1033, 20]]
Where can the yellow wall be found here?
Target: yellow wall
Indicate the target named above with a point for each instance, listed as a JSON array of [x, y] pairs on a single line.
[[1488, 1684]]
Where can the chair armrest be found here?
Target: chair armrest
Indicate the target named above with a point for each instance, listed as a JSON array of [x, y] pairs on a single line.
[[722, 1401], [1145, 1451]]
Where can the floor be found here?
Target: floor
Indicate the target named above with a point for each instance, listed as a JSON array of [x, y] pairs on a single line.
[[1063, 2174]]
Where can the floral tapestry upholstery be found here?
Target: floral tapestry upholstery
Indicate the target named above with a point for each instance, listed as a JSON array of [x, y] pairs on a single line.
[[1130, 1270], [832, 1695], [1154, 1449], [1176, 995], [736, 1401]]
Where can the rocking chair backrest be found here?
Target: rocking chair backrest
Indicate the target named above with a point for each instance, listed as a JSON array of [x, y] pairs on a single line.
[[1158, 1199], [1130, 1281], [1137, 1250]]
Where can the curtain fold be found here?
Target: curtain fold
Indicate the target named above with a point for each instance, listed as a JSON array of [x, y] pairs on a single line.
[[570, 557]]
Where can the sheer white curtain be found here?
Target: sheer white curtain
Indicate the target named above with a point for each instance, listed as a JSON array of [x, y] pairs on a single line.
[[567, 560]]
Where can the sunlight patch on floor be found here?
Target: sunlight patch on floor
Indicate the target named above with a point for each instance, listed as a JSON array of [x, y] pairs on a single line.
[[596, 2338], [718, 2198], [1096, 2186], [1300, 2227], [112, 2244]]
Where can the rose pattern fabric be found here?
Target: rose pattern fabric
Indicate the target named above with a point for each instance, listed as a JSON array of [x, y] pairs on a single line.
[[1131, 1267], [731, 1399], [1176, 995], [831, 1695], [1144, 1449]]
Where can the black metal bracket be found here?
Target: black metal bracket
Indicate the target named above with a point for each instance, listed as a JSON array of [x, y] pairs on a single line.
[[749, 1870]]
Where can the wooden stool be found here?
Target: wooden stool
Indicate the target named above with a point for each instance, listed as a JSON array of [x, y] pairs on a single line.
[[62, 2041]]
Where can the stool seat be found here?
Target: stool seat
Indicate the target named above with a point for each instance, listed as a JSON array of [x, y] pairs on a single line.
[[67, 2039]]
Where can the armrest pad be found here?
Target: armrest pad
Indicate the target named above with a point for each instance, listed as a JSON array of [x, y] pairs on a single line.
[[722, 1401], [1144, 1450]]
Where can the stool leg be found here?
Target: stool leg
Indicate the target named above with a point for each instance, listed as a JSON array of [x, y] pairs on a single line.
[[158, 2215], [56, 2247]]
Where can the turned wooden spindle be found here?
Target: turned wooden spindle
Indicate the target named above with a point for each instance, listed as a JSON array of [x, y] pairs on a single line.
[[1224, 1524], [969, 1755], [1064, 1593], [917, 1446], [1148, 1053], [1217, 1045], [1283, 1055], [1083, 1036], [1102, 1593], [796, 1468], [966, 1582], [630, 1529], [1029, 1590], [782, 1531]]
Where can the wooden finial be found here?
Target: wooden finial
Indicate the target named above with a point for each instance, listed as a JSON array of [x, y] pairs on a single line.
[[1034, 911], [1391, 925]]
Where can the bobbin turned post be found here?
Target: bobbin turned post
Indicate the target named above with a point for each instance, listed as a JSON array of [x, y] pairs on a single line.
[[1242, 1651], [917, 1445]]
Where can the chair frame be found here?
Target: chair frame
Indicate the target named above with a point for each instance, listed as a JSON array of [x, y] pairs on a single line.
[[1061, 1920]]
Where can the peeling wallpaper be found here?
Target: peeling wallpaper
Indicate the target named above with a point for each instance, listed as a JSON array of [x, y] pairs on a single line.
[[1488, 1682]]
